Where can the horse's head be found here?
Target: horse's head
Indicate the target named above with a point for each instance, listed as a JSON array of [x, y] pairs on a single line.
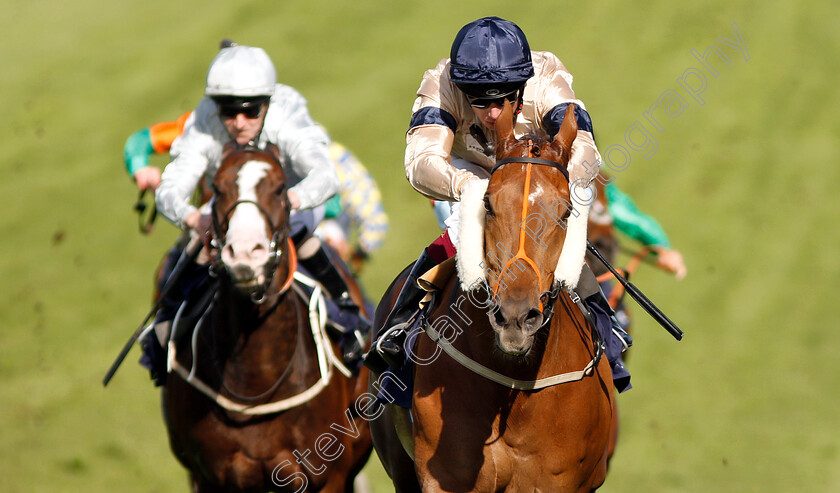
[[527, 203], [250, 216]]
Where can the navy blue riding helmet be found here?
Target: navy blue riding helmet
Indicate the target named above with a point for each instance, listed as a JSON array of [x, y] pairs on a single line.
[[490, 58]]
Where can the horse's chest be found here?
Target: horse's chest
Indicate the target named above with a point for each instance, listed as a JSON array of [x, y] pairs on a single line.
[[537, 449]]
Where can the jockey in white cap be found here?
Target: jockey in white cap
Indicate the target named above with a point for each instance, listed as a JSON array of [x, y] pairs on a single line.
[[244, 103]]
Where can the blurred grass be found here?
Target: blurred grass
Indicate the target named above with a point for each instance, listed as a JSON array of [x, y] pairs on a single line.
[[743, 184]]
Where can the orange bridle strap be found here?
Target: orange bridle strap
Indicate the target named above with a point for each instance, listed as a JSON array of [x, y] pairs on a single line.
[[520, 253], [293, 262]]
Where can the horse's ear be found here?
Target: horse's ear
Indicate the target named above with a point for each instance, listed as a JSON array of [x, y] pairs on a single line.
[[228, 148], [273, 150], [568, 130], [504, 124]]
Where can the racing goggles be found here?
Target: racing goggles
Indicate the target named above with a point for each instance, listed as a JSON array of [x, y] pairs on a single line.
[[484, 103], [252, 108]]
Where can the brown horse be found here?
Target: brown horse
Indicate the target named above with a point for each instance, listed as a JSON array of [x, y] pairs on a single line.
[[253, 401], [522, 400]]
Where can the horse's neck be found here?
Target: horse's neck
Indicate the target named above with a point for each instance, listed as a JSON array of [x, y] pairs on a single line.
[[253, 332]]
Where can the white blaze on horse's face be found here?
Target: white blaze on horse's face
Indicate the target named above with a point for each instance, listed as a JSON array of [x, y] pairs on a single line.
[[247, 244], [536, 192]]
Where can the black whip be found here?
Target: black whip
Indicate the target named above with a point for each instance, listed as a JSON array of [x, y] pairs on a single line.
[[637, 295], [186, 258]]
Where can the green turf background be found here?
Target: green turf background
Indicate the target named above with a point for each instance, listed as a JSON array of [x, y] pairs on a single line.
[[743, 184]]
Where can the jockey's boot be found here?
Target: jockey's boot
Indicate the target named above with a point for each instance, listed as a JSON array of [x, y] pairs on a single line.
[[617, 327], [322, 268], [387, 350]]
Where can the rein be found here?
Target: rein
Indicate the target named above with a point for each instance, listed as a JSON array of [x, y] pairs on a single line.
[[326, 358], [145, 222], [516, 384]]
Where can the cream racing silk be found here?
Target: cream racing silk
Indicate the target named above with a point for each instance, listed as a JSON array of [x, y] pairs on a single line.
[[442, 117], [197, 154]]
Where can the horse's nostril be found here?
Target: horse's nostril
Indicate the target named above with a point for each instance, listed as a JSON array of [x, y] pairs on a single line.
[[533, 319], [500, 319], [228, 251]]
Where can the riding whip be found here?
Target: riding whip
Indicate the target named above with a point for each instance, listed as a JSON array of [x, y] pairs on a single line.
[[187, 257], [637, 295], [145, 221]]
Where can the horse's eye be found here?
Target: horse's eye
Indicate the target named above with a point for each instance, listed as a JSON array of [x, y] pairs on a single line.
[[280, 189], [487, 206]]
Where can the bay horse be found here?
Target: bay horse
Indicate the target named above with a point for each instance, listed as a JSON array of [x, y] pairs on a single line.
[[522, 400], [253, 402]]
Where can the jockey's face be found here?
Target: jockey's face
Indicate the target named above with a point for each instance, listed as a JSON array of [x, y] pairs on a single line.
[[490, 114], [242, 128]]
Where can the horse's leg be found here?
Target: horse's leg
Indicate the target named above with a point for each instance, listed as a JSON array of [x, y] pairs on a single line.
[[396, 461], [363, 445], [356, 479], [613, 430]]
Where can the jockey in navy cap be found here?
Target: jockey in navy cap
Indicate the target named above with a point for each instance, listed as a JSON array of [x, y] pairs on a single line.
[[490, 59], [451, 138]]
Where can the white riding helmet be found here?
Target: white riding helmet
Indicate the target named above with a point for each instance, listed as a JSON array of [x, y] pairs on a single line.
[[241, 71]]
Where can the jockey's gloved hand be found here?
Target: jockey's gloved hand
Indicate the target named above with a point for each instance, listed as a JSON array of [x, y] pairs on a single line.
[[672, 261]]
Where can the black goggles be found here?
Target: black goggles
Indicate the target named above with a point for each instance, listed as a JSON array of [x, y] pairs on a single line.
[[483, 103], [252, 109]]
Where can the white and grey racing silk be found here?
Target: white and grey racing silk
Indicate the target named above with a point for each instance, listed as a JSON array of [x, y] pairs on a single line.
[[197, 154]]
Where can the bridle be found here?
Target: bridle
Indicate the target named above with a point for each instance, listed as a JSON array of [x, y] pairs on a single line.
[[548, 300], [217, 244], [549, 296]]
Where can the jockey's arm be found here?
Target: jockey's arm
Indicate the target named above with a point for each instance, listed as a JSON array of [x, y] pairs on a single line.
[[428, 154], [191, 155], [319, 181], [306, 145], [155, 139], [555, 95], [629, 220], [138, 148], [136, 154], [585, 160], [644, 228]]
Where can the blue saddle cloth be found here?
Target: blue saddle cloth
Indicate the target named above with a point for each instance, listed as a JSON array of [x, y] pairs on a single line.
[[397, 386]]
